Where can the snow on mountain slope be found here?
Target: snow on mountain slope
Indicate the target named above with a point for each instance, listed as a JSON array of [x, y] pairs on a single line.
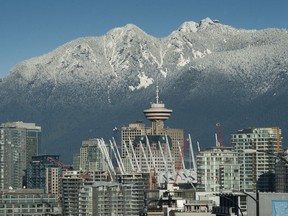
[[127, 52], [101, 79]]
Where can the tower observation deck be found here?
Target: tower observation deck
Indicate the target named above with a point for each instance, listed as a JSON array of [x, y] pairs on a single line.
[[157, 114]]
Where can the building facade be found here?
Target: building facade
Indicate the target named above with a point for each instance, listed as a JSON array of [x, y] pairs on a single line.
[[53, 175], [72, 182], [44, 172], [257, 148], [18, 143], [281, 173], [270, 204], [91, 158], [136, 184], [130, 132], [28, 202], [106, 198], [218, 169]]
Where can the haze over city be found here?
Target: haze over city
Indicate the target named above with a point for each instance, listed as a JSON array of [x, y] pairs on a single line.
[[32, 28]]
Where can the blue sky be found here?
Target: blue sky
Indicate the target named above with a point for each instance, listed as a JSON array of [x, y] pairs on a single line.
[[30, 28]]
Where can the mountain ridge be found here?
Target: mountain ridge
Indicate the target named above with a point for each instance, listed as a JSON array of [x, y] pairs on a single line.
[[93, 84]]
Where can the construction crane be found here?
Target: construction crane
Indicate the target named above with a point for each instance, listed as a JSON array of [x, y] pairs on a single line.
[[180, 161], [181, 156], [59, 163], [219, 135]]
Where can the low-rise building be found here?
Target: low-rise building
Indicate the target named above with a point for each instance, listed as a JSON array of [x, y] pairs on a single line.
[[29, 202], [175, 201], [269, 204]]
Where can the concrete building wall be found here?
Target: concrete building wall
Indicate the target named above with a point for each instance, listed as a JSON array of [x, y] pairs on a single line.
[[270, 204], [28, 202], [217, 169], [91, 158], [18, 143], [194, 214], [254, 165]]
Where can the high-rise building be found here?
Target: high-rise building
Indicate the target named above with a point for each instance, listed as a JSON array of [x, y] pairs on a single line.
[[281, 173], [91, 158], [71, 184], [256, 148], [139, 183], [76, 161], [106, 198], [19, 141], [130, 132], [44, 172], [218, 169], [53, 175]]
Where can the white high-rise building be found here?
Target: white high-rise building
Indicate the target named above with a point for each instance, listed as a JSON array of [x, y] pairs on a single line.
[[218, 169], [107, 198], [257, 148]]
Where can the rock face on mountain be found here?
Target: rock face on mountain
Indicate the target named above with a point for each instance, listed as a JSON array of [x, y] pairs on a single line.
[[207, 73]]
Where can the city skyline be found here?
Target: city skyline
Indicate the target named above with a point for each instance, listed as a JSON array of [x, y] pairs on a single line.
[[90, 98], [31, 28], [89, 185]]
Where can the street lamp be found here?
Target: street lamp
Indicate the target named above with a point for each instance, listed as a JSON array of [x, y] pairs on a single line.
[[256, 200]]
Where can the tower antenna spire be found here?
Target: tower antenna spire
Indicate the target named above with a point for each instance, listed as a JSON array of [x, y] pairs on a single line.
[[157, 113], [157, 92]]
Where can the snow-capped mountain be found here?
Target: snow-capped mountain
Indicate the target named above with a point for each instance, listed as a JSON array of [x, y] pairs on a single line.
[[207, 72]]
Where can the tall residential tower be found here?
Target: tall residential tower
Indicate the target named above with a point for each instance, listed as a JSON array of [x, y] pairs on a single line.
[[257, 148], [19, 141], [218, 169]]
